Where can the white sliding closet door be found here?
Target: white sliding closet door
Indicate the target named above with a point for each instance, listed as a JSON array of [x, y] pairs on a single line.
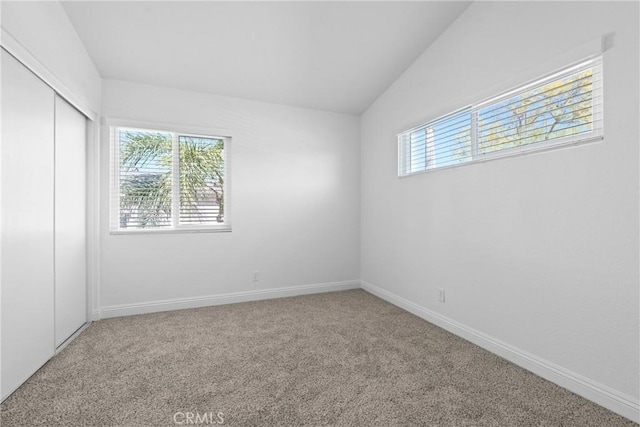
[[26, 256], [70, 221]]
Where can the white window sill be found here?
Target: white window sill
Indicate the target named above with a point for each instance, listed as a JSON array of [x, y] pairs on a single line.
[[184, 230]]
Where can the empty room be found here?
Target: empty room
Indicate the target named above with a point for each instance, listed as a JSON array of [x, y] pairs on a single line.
[[346, 213]]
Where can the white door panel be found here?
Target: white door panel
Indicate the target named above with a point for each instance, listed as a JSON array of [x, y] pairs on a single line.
[[26, 260], [70, 221]]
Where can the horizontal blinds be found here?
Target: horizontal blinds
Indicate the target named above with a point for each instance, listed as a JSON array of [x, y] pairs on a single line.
[[201, 180], [443, 142], [559, 107], [564, 107], [144, 197], [163, 180]]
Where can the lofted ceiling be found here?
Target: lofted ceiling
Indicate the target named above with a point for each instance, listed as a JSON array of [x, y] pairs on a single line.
[[335, 56]]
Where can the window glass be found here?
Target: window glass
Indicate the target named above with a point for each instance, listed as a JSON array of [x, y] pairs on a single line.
[[556, 109], [560, 109], [201, 180], [145, 176], [168, 181]]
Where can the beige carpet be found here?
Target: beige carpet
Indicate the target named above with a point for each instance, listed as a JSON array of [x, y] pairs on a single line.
[[344, 358]]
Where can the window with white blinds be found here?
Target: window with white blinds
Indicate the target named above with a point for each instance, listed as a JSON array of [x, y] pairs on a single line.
[[559, 109], [168, 181]]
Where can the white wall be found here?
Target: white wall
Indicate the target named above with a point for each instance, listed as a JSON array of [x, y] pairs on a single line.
[[539, 252], [295, 201], [43, 29]]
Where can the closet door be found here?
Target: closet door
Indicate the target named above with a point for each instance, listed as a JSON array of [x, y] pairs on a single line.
[[70, 221], [26, 252]]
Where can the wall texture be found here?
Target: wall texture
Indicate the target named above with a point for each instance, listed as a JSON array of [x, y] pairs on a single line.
[[541, 251], [295, 210]]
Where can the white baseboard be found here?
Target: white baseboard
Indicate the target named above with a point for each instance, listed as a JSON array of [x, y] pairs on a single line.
[[611, 399], [230, 298]]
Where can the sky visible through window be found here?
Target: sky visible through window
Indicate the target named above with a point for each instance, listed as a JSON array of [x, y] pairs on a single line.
[[444, 142], [154, 161], [562, 107]]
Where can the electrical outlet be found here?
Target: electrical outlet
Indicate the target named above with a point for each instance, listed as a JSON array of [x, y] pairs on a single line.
[[256, 276], [441, 295]]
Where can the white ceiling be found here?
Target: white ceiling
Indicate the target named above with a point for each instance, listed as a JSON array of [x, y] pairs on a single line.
[[336, 56]]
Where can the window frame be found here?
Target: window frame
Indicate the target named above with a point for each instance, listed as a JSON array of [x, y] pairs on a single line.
[[112, 128], [596, 134]]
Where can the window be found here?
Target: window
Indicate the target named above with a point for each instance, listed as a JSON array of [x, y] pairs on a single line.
[[168, 181], [560, 109]]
